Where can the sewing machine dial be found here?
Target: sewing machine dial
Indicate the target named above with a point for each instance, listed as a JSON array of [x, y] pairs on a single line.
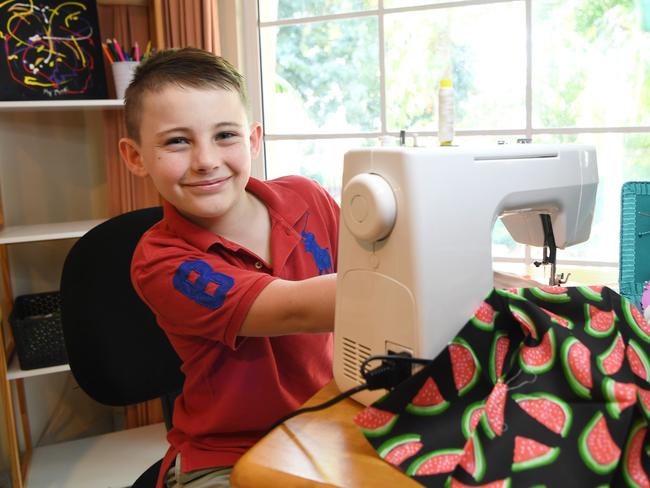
[[369, 207]]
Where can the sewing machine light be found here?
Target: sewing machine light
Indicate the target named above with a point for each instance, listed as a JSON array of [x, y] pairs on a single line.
[[370, 209]]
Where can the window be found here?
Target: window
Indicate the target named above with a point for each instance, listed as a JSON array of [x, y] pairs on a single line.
[[338, 74]]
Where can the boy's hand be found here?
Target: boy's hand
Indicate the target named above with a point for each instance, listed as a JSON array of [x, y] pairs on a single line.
[[292, 307]]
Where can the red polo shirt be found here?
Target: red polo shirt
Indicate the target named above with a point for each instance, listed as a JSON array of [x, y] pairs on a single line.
[[201, 286]]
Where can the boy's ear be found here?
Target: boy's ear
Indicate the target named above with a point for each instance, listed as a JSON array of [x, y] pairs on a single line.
[[131, 156], [255, 139]]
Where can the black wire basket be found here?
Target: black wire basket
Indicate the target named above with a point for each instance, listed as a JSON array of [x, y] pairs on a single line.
[[36, 325]]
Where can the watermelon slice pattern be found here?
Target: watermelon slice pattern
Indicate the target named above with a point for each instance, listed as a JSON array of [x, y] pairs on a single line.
[[619, 396], [397, 449], [527, 323], [611, 360], [498, 353], [596, 446], [576, 363], [484, 317], [472, 415], [544, 382], [593, 293], [494, 415], [529, 454], [428, 401], [633, 471], [635, 319], [556, 319], [539, 359], [638, 360], [549, 410], [473, 459], [375, 422], [464, 364], [599, 323], [553, 294], [643, 397]]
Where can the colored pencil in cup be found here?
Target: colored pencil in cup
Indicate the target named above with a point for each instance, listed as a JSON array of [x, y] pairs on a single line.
[[120, 53], [112, 50], [107, 53]]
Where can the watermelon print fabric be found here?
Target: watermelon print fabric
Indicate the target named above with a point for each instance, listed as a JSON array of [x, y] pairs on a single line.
[[544, 386]]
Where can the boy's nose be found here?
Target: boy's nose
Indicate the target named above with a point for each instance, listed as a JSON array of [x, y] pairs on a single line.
[[205, 158]]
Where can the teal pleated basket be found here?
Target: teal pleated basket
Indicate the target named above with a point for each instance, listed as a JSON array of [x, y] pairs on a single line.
[[634, 269]]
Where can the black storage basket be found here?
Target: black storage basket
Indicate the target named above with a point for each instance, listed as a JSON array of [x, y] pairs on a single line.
[[36, 325]]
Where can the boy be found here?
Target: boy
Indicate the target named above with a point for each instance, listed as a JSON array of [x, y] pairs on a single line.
[[237, 272]]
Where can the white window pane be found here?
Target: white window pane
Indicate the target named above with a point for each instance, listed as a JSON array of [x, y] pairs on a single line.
[[591, 64], [320, 160], [321, 77], [271, 10], [482, 48]]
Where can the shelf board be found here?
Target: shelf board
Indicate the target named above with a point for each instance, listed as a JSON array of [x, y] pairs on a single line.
[[15, 373], [109, 460], [46, 232], [62, 105]]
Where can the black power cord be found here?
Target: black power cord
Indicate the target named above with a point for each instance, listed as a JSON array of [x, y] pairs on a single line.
[[394, 369]]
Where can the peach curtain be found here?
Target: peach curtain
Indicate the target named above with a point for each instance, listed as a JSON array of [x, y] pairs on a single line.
[[183, 23], [168, 23], [128, 24]]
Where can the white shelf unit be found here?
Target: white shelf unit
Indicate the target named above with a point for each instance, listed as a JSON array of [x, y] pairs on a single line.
[[46, 232], [109, 460], [35, 233], [62, 105], [15, 373]]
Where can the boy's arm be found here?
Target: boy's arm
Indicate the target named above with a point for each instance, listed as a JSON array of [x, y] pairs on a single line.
[[292, 307]]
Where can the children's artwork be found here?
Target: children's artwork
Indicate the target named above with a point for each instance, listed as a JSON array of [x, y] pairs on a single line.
[[51, 49]]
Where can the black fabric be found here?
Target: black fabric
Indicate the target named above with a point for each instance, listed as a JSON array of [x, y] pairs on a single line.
[[149, 478], [532, 392], [117, 353]]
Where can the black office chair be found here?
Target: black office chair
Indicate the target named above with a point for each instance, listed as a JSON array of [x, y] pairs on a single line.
[[117, 353]]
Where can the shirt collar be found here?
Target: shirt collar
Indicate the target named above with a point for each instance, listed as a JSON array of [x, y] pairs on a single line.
[[284, 204]]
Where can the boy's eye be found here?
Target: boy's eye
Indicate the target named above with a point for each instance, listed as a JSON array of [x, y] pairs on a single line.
[[225, 135], [175, 140]]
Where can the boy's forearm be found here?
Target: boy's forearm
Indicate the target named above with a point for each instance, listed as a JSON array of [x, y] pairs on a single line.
[[292, 307]]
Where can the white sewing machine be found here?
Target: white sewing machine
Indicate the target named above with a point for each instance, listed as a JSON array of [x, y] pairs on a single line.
[[415, 243]]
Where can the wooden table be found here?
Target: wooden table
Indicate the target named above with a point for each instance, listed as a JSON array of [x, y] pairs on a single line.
[[321, 448]]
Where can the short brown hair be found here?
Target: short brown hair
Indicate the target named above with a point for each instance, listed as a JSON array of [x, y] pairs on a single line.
[[186, 67]]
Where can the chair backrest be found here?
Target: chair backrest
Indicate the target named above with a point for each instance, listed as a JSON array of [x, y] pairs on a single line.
[[117, 352]]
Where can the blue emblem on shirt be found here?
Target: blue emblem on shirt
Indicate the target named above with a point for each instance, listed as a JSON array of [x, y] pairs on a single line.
[[321, 256], [197, 281]]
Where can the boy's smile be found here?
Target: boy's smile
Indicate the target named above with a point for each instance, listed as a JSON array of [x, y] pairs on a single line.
[[197, 146]]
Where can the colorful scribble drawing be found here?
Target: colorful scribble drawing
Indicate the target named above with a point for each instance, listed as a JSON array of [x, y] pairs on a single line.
[[51, 49]]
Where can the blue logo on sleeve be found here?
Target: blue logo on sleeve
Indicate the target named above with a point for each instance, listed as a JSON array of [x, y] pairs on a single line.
[[197, 281], [321, 256]]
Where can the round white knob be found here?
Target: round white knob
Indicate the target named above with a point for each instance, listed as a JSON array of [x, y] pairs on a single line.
[[369, 207]]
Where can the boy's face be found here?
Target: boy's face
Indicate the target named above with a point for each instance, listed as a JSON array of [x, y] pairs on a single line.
[[197, 146]]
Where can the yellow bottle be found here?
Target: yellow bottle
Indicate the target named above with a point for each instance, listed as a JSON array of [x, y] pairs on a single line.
[[446, 112]]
